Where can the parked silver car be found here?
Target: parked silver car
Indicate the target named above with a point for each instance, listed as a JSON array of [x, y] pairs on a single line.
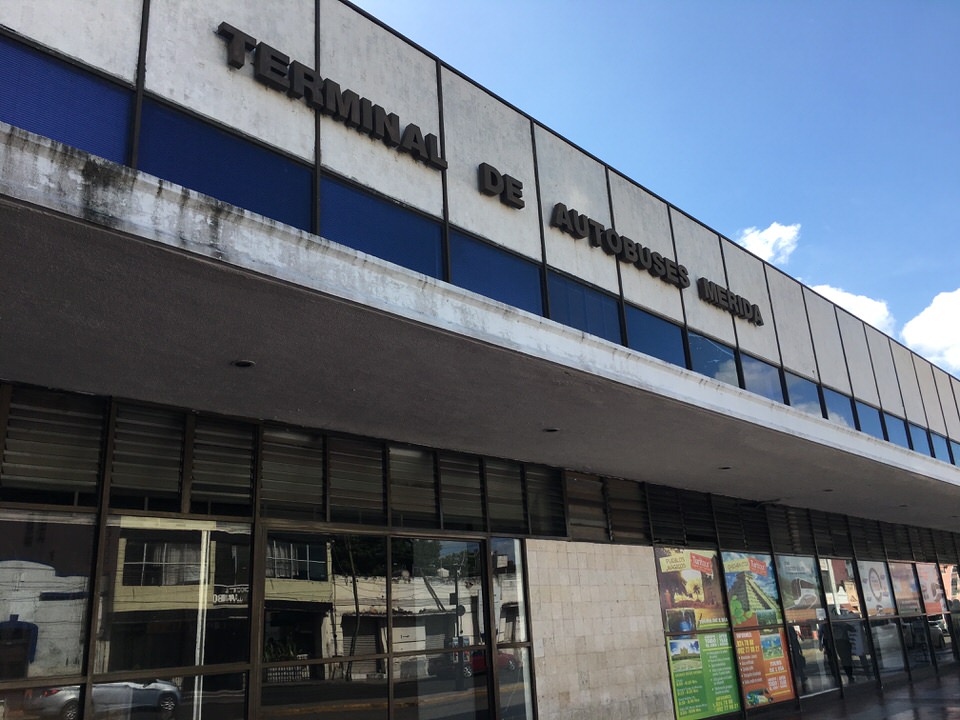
[[159, 696]]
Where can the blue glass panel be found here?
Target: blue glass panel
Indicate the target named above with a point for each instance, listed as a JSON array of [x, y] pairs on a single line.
[[584, 308], [918, 438], [761, 378], [896, 430], [955, 451], [802, 394], [49, 97], [655, 336], [366, 223], [713, 359], [941, 450], [869, 420], [487, 270], [839, 408], [189, 152]]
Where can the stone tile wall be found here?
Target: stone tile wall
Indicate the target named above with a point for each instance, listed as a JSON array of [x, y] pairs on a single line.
[[598, 637]]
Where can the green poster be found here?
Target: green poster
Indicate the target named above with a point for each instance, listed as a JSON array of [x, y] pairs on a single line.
[[703, 675]]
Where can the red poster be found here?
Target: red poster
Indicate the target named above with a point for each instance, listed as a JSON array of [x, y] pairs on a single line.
[[764, 666]]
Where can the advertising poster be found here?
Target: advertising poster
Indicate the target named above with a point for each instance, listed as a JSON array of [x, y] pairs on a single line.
[[877, 599], [703, 676], [905, 589], [751, 589], [764, 667], [690, 591], [934, 603], [800, 588]]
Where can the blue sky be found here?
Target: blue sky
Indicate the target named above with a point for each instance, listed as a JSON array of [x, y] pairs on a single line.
[[832, 129]]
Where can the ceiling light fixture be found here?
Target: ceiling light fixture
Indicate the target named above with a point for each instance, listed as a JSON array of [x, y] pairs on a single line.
[[243, 363]]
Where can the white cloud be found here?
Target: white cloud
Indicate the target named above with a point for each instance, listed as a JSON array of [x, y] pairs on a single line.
[[775, 244], [935, 332], [872, 311]]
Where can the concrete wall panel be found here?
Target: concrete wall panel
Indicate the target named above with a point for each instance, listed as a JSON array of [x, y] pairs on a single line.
[[858, 358], [362, 56], [909, 387], [101, 33], [948, 403], [884, 370], [598, 638], [643, 218], [826, 341], [481, 129], [928, 393], [187, 64], [699, 249], [793, 330], [578, 181], [747, 278]]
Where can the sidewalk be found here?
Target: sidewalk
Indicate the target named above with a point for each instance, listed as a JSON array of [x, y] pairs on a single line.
[[934, 698]]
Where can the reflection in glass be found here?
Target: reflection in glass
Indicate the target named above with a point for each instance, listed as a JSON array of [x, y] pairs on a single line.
[[843, 634], [654, 336], [713, 359], [802, 394], [176, 593], [516, 691], [917, 642], [896, 430], [44, 566], [918, 438], [868, 420], [839, 409], [805, 614], [436, 595], [508, 597], [941, 638], [955, 451], [490, 271], [450, 686], [887, 645], [582, 307], [761, 378], [941, 451], [906, 591], [328, 694], [325, 597]]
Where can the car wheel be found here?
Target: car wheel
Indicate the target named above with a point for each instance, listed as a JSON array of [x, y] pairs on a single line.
[[167, 706], [511, 665], [70, 710], [467, 670]]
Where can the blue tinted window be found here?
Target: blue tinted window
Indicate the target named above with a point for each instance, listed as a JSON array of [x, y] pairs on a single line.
[[487, 270], [802, 394], [955, 451], [189, 152], [713, 359], [655, 336], [918, 438], [761, 378], [839, 408], [941, 450], [584, 308], [49, 97], [868, 420], [366, 223], [896, 430]]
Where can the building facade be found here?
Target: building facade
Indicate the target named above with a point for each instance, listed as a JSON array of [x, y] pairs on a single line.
[[332, 385]]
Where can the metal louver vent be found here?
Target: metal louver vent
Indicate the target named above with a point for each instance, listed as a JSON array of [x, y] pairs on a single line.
[[222, 467], [790, 530], [413, 488], [145, 470], [587, 507], [867, 539], [461, 498], [666, 519], [698, 522], [291, 472], [505, 496], [545, 501], [627, 506], [355, 474], [52, 448]]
